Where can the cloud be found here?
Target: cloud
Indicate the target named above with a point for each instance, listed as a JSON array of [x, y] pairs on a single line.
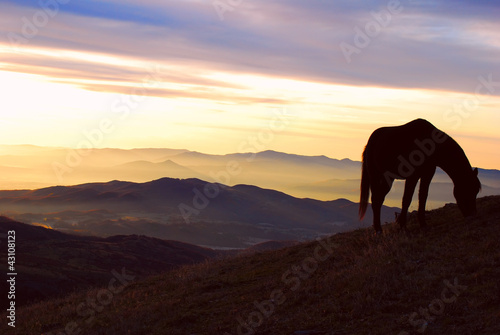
[[436, 45], [145, 12]]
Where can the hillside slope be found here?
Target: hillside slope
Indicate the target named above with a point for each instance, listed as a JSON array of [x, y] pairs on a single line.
[[443, 281], [50, 263]]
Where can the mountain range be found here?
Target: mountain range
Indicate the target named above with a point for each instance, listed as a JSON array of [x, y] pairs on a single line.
[[317, 177], [188, 210]]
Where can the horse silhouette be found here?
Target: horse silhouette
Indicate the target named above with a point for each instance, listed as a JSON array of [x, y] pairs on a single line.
[[412, 152]]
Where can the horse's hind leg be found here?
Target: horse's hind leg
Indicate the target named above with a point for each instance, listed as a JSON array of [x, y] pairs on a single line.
[[422, 194], [410, 184], [379, 191]]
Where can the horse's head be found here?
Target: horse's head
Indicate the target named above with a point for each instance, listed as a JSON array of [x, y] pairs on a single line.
[[465, 193]]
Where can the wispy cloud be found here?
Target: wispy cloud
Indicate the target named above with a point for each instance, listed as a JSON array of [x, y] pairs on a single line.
[[441, 45]]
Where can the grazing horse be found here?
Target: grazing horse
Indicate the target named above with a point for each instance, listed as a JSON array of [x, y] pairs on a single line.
[[412, 152]]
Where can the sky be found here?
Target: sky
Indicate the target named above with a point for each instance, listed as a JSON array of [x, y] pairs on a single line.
[[311, 77]]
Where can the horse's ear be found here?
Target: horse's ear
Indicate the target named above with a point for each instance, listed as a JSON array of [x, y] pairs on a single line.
[[476, 171]]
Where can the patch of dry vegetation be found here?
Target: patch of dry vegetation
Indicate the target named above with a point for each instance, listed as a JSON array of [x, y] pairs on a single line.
[[443, 281]]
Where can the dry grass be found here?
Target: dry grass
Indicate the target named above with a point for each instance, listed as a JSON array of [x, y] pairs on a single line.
[[357, 284]]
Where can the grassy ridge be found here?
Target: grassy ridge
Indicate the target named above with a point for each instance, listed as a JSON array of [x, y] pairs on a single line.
[[50, 263], [444, 281]]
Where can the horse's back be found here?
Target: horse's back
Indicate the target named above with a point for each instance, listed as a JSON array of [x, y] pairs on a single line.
[[415, 128], [419, 127], [386, 144], [408, 132]]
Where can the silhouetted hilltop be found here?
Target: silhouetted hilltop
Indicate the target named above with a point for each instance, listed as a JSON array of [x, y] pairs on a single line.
[[189, 210], [242, 203], [317, 177]]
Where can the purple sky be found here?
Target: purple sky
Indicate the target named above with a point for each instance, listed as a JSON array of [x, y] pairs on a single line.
[[206, 49]]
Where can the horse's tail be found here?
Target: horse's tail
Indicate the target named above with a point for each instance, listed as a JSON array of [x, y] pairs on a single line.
[[365, 188]]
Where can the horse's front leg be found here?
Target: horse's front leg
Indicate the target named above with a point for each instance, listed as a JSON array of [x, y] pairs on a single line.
[[410, 184], [423, 192]]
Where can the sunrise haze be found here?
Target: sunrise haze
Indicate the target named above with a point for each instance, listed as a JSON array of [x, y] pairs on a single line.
[[302, 77]]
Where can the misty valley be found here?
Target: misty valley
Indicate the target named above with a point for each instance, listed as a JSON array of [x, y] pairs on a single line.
[[173, 209], [220, 201]]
